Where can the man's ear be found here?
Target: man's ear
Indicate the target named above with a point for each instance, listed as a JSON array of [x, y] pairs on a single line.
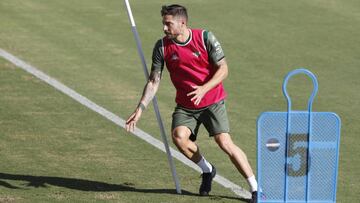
[[183, 21]]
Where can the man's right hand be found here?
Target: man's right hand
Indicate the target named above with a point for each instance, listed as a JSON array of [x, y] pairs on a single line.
[[133, 119]]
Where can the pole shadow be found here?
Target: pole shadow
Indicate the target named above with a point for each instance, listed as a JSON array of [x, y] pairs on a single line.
[[89, 185]]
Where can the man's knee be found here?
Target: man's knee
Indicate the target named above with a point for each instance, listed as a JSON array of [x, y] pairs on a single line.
[[180, 135]]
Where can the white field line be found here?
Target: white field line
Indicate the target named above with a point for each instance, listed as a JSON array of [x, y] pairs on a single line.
[[116, 119]]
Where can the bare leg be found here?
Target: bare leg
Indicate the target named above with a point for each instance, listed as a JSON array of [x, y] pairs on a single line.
[[236, 155], [180, 137]]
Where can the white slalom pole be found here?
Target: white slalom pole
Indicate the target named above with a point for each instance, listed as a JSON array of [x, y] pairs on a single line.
[[155, 103]]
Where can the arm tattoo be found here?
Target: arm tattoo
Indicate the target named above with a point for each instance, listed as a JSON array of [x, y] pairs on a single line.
[[151, 87], [155, 76], [141, 106]]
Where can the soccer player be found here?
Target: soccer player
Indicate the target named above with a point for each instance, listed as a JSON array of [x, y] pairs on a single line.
[[197, 68]]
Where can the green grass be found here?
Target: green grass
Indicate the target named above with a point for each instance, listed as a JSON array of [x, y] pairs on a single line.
[[54, 150], [68, 152]]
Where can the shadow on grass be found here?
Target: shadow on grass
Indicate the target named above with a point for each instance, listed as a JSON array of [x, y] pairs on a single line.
[[89, 185]]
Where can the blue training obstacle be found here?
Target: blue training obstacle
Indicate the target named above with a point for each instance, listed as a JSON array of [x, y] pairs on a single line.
[[298, 152]]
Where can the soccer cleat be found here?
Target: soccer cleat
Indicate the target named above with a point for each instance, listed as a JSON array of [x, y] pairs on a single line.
[[207, 178], [254, 196]]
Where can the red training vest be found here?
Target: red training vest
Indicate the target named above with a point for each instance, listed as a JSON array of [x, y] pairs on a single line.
[[188, 65]]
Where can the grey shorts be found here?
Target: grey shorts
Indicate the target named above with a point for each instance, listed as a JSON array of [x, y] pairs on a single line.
[[214, 118]]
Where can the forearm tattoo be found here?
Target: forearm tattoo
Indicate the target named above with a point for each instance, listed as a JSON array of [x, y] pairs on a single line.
[[151, 87], [155, 76], [141, 106]]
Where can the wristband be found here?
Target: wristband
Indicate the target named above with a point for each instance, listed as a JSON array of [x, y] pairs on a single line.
[[142, 106]]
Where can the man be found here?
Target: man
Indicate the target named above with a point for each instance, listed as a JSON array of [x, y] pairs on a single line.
[[197, 67]]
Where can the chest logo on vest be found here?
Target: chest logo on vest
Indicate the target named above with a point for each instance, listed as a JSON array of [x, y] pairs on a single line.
[[196, 54], [174, 57]]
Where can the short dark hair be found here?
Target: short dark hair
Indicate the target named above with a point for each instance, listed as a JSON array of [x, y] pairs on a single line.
[[174, 10]]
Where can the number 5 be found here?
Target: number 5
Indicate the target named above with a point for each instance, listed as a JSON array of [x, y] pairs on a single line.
[[297, 150]]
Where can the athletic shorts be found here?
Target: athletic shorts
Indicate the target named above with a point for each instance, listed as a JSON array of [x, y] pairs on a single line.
[[214, 118]]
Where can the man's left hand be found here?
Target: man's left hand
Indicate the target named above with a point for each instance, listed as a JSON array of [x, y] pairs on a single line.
[[198, 94]]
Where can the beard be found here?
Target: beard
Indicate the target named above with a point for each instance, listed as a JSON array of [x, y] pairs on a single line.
[[170, 36]]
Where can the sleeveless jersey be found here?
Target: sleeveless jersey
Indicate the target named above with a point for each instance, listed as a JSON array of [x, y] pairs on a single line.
[[189, 65]]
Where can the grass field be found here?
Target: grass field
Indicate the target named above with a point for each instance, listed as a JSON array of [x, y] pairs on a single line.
[[53, 149]]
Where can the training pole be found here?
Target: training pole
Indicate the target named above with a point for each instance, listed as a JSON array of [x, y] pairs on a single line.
[[155, 103]]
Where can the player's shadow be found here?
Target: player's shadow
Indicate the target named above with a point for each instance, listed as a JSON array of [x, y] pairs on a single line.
[[86, 185]]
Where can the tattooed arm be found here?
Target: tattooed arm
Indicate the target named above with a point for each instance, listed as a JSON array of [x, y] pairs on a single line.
[[151, 86], [149, 92]]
